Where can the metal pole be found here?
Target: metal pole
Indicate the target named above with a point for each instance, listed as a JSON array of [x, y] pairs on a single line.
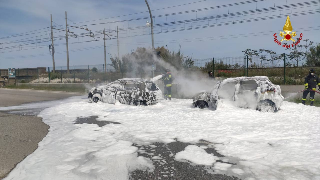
[[247, 65], [118, 49], [244, 65], [52, 47], [61, 74], [105, 51], [118, 42], [284, 68], [213, 67], [151, 24], [38, 75], [49, 73], [67, 43], [88, 75]]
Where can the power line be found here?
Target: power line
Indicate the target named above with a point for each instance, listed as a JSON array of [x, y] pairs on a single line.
[[185, 4], [15, 35], [207, 18], [221, 24], [203, 9], [186, 40], [198, 27], [218, 16], [28, 38], [212, 17], [211, 8]]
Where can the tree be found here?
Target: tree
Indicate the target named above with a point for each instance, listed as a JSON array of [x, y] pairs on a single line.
[[250, 53], [188, 63], [268, 56], [313, 57], [94, 69], [217, 65], [299, 52], [174, 59], [237, 66], [140, 62], [119, 65]]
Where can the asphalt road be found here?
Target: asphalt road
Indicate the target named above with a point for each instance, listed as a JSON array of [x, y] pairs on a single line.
[[20, 135], [13, 97]]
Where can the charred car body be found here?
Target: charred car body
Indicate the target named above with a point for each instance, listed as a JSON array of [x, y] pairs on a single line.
[[131, 91], [247, 92]]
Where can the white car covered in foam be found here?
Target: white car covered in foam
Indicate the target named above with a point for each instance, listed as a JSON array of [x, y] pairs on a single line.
[[247, 92], [131, 91]]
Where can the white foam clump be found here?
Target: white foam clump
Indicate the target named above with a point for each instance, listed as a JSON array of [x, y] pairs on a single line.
[[222, 166], [156, 78], [196, 155], [237, 171], [282, 145]]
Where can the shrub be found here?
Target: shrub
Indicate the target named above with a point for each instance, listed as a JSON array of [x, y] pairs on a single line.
[[94, 69], [55, 75]]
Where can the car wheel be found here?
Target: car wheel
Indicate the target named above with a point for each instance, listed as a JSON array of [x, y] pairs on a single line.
[[135, 102], [95, 99], [267, 106], [202, 104]]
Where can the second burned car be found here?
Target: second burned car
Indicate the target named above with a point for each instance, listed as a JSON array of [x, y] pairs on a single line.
[[246, 92], [131, 91]]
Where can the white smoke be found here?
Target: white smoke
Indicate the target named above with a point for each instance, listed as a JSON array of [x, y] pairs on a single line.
[[188, 82]]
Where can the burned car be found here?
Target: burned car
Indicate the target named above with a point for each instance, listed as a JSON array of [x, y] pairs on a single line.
[[246, 92], [131, 91]]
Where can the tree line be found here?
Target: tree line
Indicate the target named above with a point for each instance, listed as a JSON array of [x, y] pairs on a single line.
[[142, 61]]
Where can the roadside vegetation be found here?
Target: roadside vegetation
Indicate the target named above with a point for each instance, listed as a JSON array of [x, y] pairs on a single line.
[[297, 99]]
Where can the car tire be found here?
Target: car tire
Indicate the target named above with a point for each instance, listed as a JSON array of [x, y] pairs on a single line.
[[95, 99], [202, 104], [267, 106], [135, 102]]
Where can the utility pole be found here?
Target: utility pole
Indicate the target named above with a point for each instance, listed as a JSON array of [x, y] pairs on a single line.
[[118, 42], [284, 68], [52, 47], [67, 44], [213, 67], [151, 24], [118, 49], [105, 51]]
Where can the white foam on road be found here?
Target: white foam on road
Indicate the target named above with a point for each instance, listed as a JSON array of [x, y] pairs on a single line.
[[196, 155], [282, 145]]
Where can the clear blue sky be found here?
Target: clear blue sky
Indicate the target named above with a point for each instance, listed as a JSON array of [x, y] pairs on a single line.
[[19, 17]]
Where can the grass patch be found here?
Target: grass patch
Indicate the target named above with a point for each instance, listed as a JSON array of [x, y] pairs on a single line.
[[80, 89], [298, 99]]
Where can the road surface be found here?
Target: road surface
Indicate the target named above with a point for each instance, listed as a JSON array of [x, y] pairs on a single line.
[[20, 135]]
